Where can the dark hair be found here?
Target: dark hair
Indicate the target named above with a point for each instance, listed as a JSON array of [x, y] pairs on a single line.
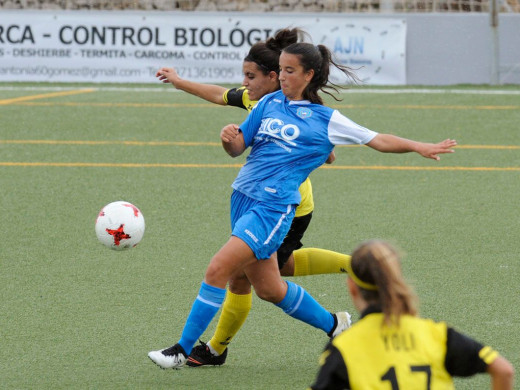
[[378, 263], [267, 54], [319, 59]]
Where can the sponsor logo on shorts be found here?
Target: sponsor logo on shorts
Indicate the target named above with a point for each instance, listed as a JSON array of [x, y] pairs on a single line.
[[269, 189], [251, 235]]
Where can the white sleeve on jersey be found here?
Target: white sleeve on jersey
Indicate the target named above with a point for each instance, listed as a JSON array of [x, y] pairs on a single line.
[[343, 131]]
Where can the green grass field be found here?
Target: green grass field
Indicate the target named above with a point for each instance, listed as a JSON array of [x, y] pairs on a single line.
[[76, 315]]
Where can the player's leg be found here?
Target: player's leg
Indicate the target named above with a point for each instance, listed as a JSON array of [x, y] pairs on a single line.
[[251, 229], [294, 261], [293, 299], [238, 302], [232, 257], [235, 310], [292, 242], [264, 229], [245, 224], [315, 261]]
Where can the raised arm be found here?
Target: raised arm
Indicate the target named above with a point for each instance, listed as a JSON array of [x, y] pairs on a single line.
[[388, 143], [232, 140], [211, 93]]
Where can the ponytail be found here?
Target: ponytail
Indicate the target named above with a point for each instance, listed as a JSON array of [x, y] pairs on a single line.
[[319, 59]]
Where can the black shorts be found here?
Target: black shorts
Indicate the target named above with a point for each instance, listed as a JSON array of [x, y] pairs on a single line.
[[292, 240]]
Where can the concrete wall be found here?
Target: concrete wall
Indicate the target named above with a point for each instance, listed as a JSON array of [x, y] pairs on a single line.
[[458, 48], [444, 49]]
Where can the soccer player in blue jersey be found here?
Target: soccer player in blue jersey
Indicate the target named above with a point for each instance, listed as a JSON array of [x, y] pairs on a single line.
[[391, 346], [290, 133], [260, 68]]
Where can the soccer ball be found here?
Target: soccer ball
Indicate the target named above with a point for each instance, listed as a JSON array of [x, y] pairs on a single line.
[[120, 225]]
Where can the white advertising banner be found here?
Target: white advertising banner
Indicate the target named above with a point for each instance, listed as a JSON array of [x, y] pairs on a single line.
[[129, 47]]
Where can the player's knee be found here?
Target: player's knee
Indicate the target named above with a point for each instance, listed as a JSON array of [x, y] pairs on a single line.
[[270, 294], [216, 274]]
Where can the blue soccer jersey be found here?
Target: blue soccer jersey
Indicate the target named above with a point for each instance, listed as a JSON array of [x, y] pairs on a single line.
[[289, 139]]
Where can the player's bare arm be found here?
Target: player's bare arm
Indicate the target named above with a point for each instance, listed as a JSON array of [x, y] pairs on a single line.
[[388, 143], [211, 93], [232, 140], [502, 374]]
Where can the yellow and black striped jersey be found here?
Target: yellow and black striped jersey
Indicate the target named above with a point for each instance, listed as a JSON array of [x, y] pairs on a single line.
[[239, 97], [418, 354]]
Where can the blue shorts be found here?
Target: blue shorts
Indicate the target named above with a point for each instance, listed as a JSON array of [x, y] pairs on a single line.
[[262, 226]]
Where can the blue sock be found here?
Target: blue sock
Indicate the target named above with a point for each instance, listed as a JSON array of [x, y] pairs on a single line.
[[299, 304], [202, 312]]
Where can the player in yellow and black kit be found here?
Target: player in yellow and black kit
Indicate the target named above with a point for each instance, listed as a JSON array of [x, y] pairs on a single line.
[[390, 347], [260, 68]]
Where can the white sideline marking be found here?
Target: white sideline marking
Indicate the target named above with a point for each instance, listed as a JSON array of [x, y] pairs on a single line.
[[167, 89]]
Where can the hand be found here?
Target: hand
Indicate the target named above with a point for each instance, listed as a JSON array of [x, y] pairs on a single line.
[[167, 75], [433, 150], [229, 133], [331, 158]]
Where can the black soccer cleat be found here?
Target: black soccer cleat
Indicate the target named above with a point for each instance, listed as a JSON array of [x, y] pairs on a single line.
[[202, 356]]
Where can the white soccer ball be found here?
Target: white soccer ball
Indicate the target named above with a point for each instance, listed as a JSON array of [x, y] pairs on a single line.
[[120, 225]]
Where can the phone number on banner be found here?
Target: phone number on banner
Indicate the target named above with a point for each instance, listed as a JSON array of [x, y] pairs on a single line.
[[195, 72]]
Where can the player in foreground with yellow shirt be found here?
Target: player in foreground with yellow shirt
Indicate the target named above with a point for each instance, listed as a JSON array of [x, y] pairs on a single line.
[[390, 347]]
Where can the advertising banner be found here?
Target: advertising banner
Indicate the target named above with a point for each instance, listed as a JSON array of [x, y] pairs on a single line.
[[129, 47]]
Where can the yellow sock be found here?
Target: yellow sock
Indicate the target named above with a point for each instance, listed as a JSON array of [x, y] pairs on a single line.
[[234, 312], [314, 261]]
